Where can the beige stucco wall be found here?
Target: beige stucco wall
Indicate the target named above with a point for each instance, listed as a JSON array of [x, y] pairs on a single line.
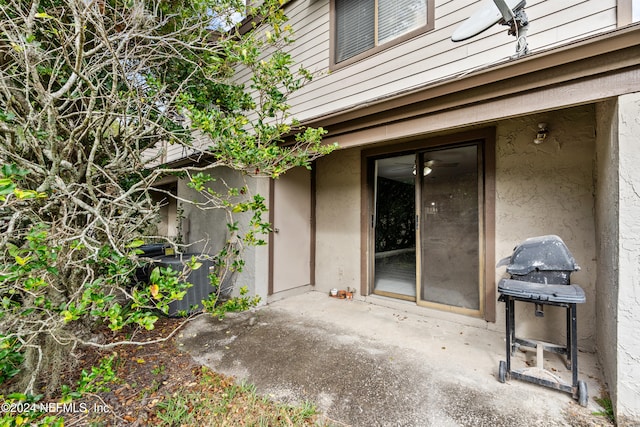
[[628, 299], [206, 229], [607, 217], [167, 225], [548, 189], [540, 189], [338, 221], [618, 232]]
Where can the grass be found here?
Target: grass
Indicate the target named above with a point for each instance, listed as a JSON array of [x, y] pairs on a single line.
[[217, 400], [158, 370], [159, 385], [606, 404]]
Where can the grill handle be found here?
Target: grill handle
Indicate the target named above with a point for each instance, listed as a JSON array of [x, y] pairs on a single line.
[[503, 261]]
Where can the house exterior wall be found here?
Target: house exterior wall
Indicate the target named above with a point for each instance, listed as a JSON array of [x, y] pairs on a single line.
[[618, 231], [167, 221], [587, 199], [540, 189], [618, 253], [628, 299], [429, 57], [607, 232], [548, 189], [337, 213], [205, 231]]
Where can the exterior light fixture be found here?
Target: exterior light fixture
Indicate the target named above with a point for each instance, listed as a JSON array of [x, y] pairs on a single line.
[[543, 131]]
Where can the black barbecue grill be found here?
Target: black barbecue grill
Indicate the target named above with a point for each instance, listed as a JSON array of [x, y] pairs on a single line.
[[540, 273]]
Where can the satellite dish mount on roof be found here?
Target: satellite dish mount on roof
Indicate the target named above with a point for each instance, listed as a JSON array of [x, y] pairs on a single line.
[[504, 12]]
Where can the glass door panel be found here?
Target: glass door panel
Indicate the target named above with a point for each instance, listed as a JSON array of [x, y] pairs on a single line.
[[449, 234], [394, 227]]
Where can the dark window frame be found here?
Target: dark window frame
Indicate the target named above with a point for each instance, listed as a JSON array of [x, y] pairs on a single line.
[[487, 139], [333, 65]]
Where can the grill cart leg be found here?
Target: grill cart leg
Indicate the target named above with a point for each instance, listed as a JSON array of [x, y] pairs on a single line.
[[504, 368], [512, 322], [509, 332], [583, 396], [572, 346], [502, 371], [572, 353], [570, 334]]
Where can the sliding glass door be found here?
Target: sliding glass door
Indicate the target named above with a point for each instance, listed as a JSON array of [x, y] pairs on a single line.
[[427, 222], [450, 227], [394, 227]]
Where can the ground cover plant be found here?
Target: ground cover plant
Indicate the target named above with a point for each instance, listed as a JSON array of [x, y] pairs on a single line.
[[159, 384]]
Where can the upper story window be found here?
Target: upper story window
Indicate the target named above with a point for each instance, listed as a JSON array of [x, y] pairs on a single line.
[[363, 27]]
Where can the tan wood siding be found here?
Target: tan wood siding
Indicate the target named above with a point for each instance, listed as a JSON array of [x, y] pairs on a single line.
[[427, 59], [432, 56]]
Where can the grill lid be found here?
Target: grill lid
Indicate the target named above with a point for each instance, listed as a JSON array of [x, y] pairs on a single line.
[[543, 253]]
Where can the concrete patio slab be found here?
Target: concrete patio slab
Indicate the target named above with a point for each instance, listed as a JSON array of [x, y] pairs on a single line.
[[367, 365]]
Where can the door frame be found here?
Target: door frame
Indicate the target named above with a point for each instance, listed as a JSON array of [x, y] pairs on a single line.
[[420, 218], [312, 237], [375, 227], [487, 240]]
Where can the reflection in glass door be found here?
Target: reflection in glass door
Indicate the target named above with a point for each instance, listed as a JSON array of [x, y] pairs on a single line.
[[394, 227], [449, 227]]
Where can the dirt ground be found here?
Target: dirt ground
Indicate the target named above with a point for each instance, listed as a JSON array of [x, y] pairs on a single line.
[[147, 375], [159, 384]]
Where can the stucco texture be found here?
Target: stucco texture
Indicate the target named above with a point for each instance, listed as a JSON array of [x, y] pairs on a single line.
[[607, 219], [205, 229], [338, 221], [540, 189], [549, 189], [628, 301]]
